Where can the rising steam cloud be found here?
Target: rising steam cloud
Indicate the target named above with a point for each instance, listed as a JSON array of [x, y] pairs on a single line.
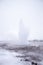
[[23, 33]]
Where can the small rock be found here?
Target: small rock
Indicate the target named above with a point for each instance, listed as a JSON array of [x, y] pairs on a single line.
[[34, 63]]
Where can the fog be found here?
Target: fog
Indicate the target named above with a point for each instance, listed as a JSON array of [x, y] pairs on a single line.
[[31, 13], [20, 22]]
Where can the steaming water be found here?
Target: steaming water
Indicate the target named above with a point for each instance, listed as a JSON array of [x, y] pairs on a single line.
[[23, 33], [9, 58]]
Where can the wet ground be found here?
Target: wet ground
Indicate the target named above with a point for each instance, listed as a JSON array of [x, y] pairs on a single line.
[[20, 57], [9, 58]]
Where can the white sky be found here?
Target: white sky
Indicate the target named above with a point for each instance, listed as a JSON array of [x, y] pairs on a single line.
[[30, 11]]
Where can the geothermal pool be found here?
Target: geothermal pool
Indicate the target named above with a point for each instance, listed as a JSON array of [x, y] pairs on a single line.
[[13, 58], [9, 58]]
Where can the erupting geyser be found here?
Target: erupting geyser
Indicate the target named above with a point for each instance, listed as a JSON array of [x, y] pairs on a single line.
[[23, 33]]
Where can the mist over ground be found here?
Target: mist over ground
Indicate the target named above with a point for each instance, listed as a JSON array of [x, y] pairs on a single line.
[[21, 32], [30, 11]]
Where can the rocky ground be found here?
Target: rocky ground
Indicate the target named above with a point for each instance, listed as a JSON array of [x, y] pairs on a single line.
[[25, 53]]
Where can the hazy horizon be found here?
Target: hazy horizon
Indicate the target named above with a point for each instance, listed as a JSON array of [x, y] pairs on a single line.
[[12, 11]]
